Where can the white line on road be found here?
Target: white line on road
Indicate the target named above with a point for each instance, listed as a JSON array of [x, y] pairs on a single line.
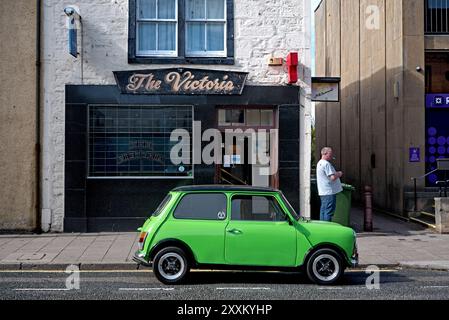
[[363, 271], [435, 287], [330, 288], [41, 289], [145, 289], [242, 288]]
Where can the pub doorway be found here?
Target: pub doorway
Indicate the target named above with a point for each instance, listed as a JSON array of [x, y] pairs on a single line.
[[244, 149]]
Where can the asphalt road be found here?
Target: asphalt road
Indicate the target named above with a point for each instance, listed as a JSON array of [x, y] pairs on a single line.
[[394, 284]]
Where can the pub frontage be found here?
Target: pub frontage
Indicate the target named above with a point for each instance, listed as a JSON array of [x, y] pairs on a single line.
[[142, 96], [118, 141]]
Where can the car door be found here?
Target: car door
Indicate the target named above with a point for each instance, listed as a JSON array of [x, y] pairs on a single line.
[[258, 233], [199, 220]]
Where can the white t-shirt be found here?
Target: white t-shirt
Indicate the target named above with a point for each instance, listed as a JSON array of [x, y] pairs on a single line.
[[327, 187]]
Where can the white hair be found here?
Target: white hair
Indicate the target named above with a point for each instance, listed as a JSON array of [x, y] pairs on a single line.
[[325, 150]]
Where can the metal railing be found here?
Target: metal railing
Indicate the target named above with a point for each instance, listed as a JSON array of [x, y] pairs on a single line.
[[436, 16], [229, 178], [443, 166]]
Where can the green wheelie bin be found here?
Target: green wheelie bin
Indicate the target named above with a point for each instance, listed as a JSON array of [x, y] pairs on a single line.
[[343, 211]]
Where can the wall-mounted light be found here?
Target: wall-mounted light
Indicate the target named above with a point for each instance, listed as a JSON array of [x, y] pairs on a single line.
[[73, 16], [71, 12]]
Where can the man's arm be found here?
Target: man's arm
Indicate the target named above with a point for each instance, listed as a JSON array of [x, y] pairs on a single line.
[[336, 175]]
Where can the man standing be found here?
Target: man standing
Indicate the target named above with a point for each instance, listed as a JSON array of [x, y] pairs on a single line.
[[329, 184]]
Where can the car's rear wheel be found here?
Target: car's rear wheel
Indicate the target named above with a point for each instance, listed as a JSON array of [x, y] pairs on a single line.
[[325, 267], [170, 265]]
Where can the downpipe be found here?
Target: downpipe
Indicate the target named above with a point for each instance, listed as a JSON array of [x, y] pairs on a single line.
[[37, 151]]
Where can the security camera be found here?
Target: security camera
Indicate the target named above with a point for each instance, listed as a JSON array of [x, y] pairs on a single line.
[[71, 12]]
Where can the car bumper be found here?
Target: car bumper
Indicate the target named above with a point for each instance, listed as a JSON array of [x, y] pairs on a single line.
[[139, 258], [355, 261]]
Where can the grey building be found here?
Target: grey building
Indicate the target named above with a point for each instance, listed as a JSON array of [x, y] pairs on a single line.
[[391, 122]]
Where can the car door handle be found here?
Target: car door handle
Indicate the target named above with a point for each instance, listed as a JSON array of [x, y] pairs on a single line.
[[235, 231]]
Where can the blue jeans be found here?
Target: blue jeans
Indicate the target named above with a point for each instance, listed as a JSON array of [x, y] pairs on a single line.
[[328, 206]]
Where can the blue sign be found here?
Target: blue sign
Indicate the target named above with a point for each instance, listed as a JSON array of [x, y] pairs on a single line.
[[437, 100], [415, 155], [73, 39]]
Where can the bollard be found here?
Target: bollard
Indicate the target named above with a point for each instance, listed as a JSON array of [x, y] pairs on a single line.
[[368, 216]]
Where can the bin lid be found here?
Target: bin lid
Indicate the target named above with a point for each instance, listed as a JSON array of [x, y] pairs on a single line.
[[348, 187]]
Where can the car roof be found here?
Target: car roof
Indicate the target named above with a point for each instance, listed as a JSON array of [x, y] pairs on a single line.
[[224, 188]]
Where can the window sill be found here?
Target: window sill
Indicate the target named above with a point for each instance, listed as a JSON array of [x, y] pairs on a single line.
[[180, 60]]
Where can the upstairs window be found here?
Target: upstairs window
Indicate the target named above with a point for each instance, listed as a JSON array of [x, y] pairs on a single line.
[[206, 28], [181, 31], [437, 16], [157, 27]]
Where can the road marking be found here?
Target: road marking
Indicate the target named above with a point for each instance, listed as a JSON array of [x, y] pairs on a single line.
[[242, 288], [81, 271], [42, 289], [364, 270], [435, 287], [330, 288], [151, 271], [146, 289]]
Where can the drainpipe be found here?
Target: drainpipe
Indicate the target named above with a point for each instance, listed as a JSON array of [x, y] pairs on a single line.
[[38, 228]]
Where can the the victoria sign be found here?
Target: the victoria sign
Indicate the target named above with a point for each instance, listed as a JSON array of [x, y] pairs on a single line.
[[181, 81]]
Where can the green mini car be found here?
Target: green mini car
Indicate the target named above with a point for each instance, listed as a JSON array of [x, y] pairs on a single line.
[[233, 227]]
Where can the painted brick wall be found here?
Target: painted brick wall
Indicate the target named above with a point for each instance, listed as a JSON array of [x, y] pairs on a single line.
[[262, 28]]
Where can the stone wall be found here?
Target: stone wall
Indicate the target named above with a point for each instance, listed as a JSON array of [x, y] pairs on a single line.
[[262, 29]]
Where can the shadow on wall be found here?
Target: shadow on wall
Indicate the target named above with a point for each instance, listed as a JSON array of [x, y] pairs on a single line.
[[371, 137]]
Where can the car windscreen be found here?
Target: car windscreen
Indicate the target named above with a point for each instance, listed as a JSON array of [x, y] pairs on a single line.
[[290, 208], [161, 205]]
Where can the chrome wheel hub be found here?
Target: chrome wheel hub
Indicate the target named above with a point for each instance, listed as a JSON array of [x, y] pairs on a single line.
[[326, 267], [171, 266]]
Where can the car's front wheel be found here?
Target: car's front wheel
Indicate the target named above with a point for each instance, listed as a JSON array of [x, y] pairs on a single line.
[[325, 267], [170, 265]]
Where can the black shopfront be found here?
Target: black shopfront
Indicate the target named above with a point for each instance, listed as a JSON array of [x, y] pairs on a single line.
[[117, 142]]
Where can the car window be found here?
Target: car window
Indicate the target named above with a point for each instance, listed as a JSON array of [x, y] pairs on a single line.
[[162, 205], [290, 207], [202, 206], [256, 208]]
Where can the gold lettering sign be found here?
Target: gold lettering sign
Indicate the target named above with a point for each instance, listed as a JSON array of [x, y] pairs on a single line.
[[181, 81]]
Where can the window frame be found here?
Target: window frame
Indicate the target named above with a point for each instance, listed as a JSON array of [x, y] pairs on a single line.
[[135, 58], [201, 193], [161, 207], [205, 20], [155, 177], [258, 195], [158, 53]]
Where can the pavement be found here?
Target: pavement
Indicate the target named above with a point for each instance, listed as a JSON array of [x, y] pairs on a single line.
[[401, 243], [394, 242]]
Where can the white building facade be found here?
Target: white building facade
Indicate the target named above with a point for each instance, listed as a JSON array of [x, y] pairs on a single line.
[[105, 165]]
